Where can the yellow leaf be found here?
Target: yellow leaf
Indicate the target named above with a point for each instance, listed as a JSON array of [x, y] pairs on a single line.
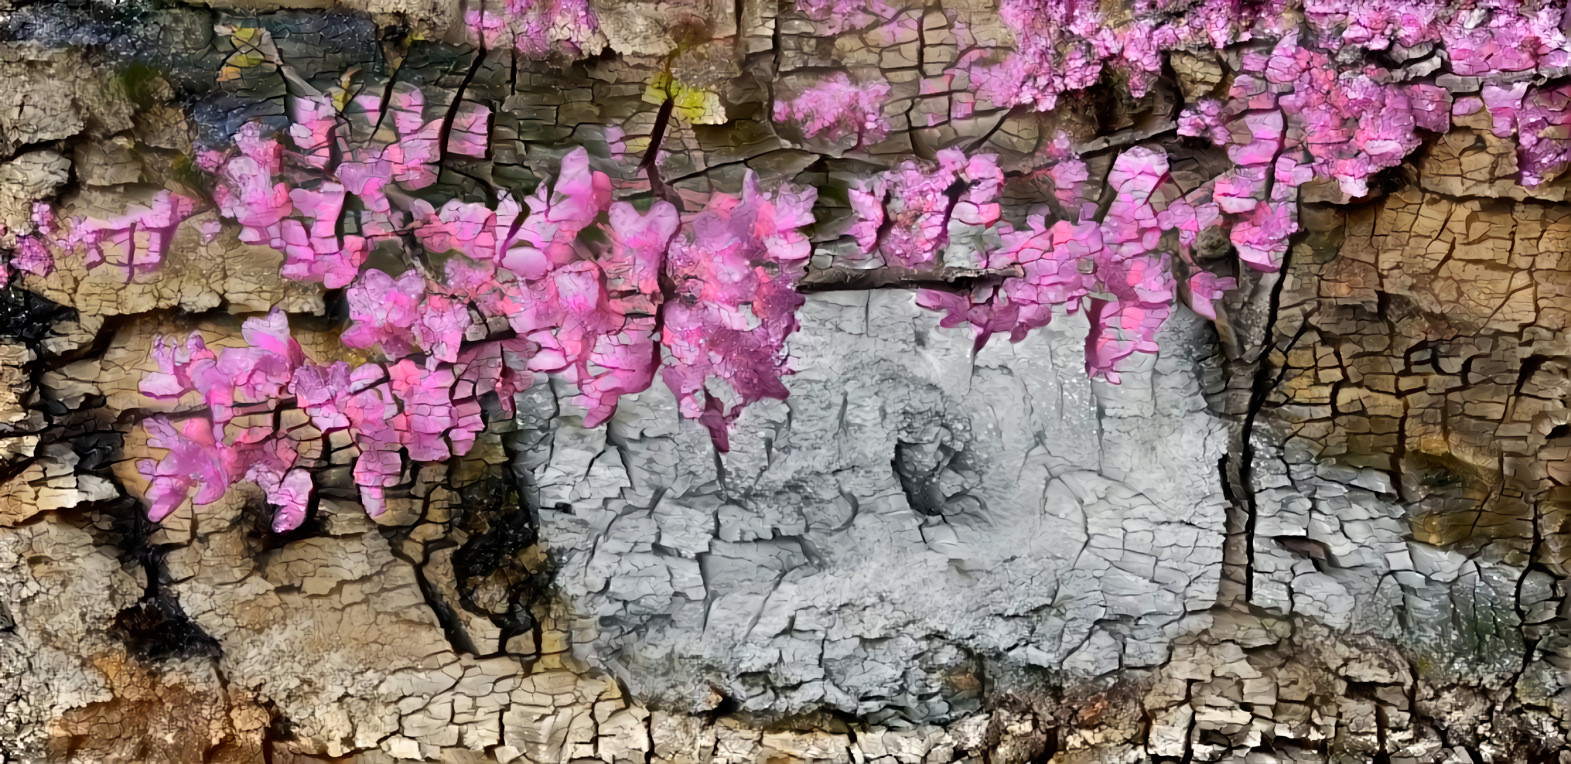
[[698, 106]]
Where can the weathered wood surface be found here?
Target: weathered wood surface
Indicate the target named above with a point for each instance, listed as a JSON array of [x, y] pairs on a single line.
[[1332, 526]]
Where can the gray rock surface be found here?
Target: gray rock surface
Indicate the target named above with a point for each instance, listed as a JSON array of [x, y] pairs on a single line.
[[910, 515]]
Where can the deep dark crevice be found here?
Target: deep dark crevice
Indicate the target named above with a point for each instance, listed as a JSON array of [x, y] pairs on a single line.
[[918, 468], [959, 280], [448, 620], [458, 102], [1263, 383], [501, 528], [1050, 747], [155, 628], [29, 317], [650, 165]]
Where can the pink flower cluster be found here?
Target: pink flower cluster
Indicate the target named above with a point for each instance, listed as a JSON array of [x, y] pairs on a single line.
[[135, 241], [535, 28], [34, 252], [604, 294], [587, 312], [1540, 119], [840, 15], [1479, 38], [291, 195], [734, 273], [836, 107], [1292, 113], [576, 284], [1066, 45], [908, 214], [1116, 269], [405, 408], [1353, 119]]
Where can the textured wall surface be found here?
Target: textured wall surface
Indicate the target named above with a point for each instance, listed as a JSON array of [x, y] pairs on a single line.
[[801, 381]]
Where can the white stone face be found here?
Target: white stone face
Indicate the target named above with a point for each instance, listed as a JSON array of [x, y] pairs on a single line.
[[908, 515]]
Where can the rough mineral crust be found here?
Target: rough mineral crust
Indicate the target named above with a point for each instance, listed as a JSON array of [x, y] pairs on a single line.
[[894, 531]]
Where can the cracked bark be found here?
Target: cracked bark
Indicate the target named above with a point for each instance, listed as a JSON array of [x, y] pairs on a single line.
[[1409, 429]]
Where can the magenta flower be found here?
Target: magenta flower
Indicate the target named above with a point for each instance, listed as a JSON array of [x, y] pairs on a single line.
[[311, 247], [548, 235], [907, 214], [840, 15], [314, 123], [380, 464], [324, 392], [194, 459], [398, 316], [115, 240], [291, 497], [429, 417], [468, 228], [536, 28], [726, 329], [836, 107], [173, 378], [1205, 289], [248, 191], [1119, 330]]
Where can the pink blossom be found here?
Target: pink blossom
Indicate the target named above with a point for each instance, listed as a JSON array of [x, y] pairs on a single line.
[[1204, 120], [324, 392], [1115, 267], [621, 358], [908, 214], [840, 15], [733, 272], [1265, 135], [371, 413], [487, 26], [1068, 173], [468, 228], [1262, 237], [412, 155], [266, 458], [429, 417], [547, 236], [254, 374], [537, 28], [248, 191], [639, 242], [1119, 330], [835, 107], [314, 123], [258, 373], [173, 378], [1240, 189], [115, 239], [194, 459], [478, 283], [1543, 129], [1054, 260], [312, 248], [1205, 289], [291, 496], [398, 316], [33, 256]]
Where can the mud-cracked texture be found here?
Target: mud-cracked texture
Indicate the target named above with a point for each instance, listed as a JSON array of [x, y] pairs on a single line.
[[1322, 516]]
